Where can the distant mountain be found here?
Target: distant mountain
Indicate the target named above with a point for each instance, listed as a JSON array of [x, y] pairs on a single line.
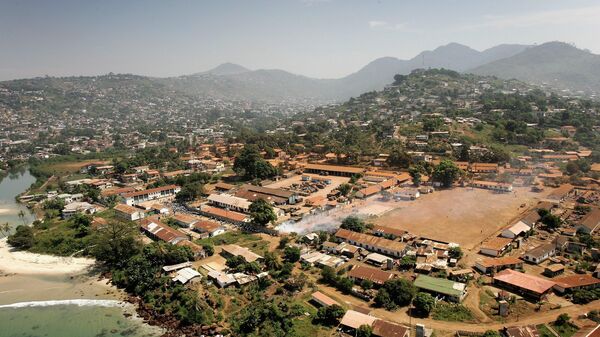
[[225, 69], [454, 56], [234, 81], [556, 64]]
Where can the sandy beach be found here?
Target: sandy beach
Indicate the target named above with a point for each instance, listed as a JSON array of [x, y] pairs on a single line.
[[18, 262], [5, 211], [26, 276]]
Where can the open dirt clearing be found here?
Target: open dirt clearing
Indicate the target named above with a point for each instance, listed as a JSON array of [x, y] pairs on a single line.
[[463, 215]]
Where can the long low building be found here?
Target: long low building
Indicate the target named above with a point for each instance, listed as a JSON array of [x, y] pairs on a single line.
[[372, 243], [450, 290], [158, 230], [230, 202], [163, 192], [490, 266], [590, 222], [495, 246], [377, 276], [235, 250], [576, 282], [523, 284], [334, 170], [352, 320], [224, 215], [275, 195], [492, 185]]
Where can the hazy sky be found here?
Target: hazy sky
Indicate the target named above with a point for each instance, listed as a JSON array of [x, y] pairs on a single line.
[[319, 38]]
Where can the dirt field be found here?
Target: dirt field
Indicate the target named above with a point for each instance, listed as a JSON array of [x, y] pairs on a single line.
[[72, 166], [463, 215]]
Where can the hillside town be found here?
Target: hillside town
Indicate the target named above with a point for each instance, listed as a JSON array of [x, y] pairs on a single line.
[[429, 208]]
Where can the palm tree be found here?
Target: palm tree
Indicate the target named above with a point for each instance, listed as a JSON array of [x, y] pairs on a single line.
[[22, 216], [5, 229]]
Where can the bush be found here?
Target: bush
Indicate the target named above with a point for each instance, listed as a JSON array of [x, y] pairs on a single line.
[[424, 303], [452, 312], [330, 315], [22, 239], [394, 293], [208, 249], [562, 319]]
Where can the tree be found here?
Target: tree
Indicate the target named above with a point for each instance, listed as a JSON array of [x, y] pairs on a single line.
[[364, 330], [345, 284], [446, 173], [424, 303], [455, 253], [491, 333], [562, 319], [262, 212], [272, 261], [5, 228], [115, 243], [328, 275], [415, 173], [291, 254], [22, 216], [354, 224], [398, 157], [396, 292], [384, 300], [22, 238], [366, 284], [344, 189], [81, 224], [408, 261], [432, 123], [209, 249], [330, 315], [251, 165], [551, 221], [190, 192]]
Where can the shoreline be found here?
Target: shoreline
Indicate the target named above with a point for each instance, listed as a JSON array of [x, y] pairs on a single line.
[[35, 280], [22, 262]]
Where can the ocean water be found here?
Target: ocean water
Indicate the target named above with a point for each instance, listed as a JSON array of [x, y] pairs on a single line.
[[79, 318]]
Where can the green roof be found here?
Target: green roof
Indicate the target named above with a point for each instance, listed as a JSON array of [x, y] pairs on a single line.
[[440, 285]]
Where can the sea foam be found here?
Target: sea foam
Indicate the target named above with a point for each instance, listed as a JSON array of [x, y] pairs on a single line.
[[77, 302]]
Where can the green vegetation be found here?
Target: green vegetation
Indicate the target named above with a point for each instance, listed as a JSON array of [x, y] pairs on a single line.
[[364, 331], [251, 165], [451, 312], [330, 315], [395, 293], [446, 173], [355, 224], [262, 212], [544, 331], [564, 326], [424, 303]]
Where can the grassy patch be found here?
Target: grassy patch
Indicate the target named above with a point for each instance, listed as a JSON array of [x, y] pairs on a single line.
[[452, 312], [56, 237], [565, 330], [303, 326], [544, 331], [249, 241]]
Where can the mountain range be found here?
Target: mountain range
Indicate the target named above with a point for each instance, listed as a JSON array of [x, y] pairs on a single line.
[[555, 64]]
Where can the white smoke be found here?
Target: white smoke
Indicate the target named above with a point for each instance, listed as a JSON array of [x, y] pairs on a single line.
[[330, 220]]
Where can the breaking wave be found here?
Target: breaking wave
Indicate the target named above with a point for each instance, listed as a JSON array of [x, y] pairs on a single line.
[[78, 302]]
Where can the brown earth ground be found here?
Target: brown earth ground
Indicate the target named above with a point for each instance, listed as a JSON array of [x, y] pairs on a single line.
[[466, 216]]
